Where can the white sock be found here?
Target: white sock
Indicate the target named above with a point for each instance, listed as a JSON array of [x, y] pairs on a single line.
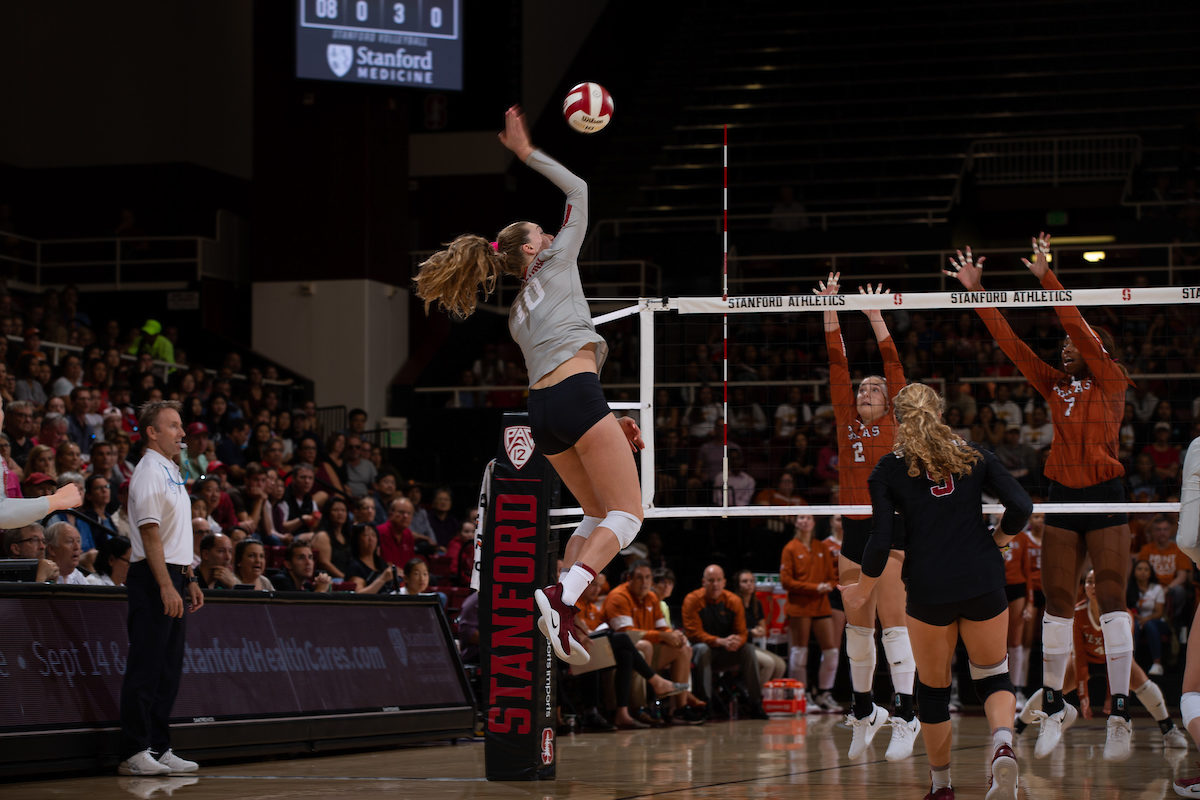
[[860, 650], [940, 777], [1118, 649], [798, 663], [829, 665], [576, 580], [1152, 698], [1055, 658], [1001, 736]]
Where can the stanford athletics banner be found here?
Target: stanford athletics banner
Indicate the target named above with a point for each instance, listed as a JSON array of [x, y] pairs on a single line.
[[519, 555]]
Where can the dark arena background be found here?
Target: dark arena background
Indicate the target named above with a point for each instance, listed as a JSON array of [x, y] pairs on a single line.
[[226, 202]]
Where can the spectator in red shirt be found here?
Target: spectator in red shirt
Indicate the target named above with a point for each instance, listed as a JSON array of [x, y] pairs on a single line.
[[461, 551], [1167, 457], [396, 541]]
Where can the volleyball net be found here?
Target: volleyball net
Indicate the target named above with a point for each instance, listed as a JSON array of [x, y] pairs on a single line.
[[733, 393]]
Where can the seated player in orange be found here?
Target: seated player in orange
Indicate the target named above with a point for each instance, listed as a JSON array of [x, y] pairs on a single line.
[[589, 618], [633, 606]]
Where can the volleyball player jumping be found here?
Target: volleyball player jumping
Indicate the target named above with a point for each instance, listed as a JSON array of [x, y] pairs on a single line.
[[1086, 399], [865, 430], [954, 574], [569, 417]]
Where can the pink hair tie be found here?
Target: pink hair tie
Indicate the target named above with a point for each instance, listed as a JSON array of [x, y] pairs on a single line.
[[496, 246]]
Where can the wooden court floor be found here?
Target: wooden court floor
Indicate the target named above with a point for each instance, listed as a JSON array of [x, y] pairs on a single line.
[[790, 758]]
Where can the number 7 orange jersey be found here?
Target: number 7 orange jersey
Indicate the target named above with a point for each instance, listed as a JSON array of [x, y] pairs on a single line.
[[1086, 413], [860, 446]]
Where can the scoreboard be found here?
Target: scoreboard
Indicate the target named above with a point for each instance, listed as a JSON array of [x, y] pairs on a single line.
[[386, 42]]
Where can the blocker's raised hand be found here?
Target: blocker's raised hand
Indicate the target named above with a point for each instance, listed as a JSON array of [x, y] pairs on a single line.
[[1041, 249], [876, 291], [829, 286], [968, 271]]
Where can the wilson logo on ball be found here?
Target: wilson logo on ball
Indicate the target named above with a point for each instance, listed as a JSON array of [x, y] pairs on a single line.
[[588, 107]]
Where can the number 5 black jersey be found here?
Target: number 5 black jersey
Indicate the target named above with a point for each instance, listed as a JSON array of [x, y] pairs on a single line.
[[950, 554]]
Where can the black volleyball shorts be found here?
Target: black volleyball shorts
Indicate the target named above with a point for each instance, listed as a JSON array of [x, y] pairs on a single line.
[[560, 414]]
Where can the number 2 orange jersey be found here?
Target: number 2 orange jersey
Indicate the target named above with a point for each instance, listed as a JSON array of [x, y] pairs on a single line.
[[860, 446]]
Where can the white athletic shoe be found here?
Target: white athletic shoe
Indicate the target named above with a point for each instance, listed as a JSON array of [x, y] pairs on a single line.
[[1175, 739], [1028, 715], [864, 730], [177, 765], [1002, 785], [1053, 727], [142, 764], [904, 736], [825, 701], [1155, 669], [1119, 743], [1021, 700]]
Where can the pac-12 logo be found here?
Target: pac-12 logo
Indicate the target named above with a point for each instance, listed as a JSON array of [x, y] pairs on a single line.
[[518, 443], [547, 746], [340, 58]]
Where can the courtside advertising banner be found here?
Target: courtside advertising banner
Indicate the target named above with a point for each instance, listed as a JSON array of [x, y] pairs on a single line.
[[62, 658]]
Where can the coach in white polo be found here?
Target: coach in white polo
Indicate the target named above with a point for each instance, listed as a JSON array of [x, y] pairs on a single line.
[[160, 575]]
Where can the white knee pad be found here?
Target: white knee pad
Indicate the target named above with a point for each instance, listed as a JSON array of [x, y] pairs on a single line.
[[898, 649], [1189, 707], [860, 644], [1057, 634], [584, 529], [1117, 627], [978, 673], [989, 680], [624, 525]]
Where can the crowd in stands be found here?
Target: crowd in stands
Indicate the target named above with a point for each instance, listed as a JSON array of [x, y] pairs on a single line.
[[278, 503]]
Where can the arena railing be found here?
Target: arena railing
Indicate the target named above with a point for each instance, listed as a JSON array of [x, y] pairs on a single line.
[[123, 261]]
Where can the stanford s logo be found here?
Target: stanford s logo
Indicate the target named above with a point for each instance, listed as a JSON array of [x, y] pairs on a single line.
[[547, 746], [518, 443], [941, 489], [340, 58]]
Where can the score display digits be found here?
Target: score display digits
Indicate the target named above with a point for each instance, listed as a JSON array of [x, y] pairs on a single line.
[[384, 42]]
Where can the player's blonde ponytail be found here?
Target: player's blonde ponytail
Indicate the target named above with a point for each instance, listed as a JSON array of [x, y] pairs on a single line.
[[927, 443], [451, 278]]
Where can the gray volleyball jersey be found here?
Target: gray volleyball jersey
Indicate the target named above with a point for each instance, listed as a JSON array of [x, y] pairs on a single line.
[[550, 320]]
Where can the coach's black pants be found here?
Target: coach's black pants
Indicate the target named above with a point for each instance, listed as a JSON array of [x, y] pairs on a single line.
[[155, 662]]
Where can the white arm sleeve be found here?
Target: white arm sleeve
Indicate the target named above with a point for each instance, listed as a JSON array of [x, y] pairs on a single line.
[[570, 237], [17, 512], [1188, 537]]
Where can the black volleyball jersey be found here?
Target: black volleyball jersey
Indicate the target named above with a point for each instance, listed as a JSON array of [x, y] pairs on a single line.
[[949, 553]]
